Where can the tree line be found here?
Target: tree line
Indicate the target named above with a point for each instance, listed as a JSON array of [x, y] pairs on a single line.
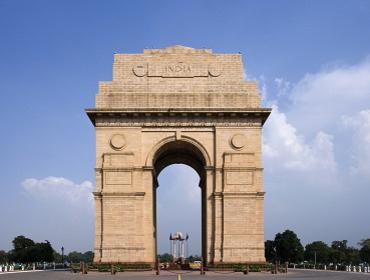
[[287, 247], [25, 250]]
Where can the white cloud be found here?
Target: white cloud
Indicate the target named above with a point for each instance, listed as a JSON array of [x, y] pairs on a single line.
[[308, 134], [283, 143], [63, 209], [263, 87], [359, 129], [283, 86], [317, 154], [59, 189], [319, 100]]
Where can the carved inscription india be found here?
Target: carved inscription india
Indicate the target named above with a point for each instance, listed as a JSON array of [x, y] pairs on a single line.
[[176, 70]]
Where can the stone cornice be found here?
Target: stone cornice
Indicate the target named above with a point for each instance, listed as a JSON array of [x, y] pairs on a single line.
[[223, 114]]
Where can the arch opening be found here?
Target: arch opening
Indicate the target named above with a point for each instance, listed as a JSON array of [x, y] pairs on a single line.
[[180, 152], [173, 156], [179, 209]]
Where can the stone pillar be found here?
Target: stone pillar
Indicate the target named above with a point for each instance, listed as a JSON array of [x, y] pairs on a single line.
[[210, 226]]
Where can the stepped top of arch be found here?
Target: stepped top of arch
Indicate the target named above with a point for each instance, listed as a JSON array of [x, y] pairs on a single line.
[[178, 77]]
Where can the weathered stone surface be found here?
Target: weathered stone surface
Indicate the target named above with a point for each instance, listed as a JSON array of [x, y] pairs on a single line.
[[178, 105]]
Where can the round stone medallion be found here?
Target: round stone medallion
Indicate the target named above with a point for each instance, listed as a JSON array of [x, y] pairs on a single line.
[[214, 70], [238, 141], [140, 70], [118, 141]]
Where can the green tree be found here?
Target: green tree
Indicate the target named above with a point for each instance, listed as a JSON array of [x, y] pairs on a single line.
[[26, 250], [76, 257], [44, 251], [365, 250], [21, 242], [339, 245], [22, 249], [57, 257], [270, 251], [89, 256], [288, 247], [3, 257], [341, 253], [321, 249], [338, 251], [336, 256], [352, 256], [165, 258]]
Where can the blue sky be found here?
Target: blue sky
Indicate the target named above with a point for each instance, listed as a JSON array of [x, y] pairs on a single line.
[[311, 59]]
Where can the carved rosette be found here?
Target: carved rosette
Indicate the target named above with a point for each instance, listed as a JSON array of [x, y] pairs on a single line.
[[238, 141], [214, 70], [140, 70], [117, 142]]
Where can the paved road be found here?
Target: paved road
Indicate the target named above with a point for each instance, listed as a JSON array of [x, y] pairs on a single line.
[[294, 274]]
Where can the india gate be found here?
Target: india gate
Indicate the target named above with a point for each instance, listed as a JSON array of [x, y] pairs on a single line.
[[178, 105]]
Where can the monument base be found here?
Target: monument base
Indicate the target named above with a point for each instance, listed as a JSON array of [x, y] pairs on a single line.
[[124, 265]]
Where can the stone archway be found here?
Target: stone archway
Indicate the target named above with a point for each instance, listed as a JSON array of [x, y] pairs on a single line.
[[183, 152], [178, 105]]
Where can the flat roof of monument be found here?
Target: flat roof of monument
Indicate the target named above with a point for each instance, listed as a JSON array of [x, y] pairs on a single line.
[[177, 49]]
